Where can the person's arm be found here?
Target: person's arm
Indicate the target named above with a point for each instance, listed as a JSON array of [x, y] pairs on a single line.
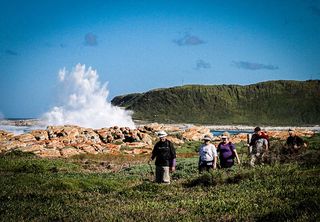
[[299, 141], [154, 153], [215, 156], [237, 156], [215, 162], [266, 145], [233, 148], [172, 166]]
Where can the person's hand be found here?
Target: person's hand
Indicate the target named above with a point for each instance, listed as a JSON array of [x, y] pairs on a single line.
[[172, 169]]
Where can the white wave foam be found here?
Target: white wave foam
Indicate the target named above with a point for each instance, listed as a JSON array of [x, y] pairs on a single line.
[[85, 102]]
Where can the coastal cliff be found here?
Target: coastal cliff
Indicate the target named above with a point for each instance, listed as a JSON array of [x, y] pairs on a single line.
[[267, 103]]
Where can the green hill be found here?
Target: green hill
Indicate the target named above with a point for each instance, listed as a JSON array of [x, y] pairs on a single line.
[[270, 103]]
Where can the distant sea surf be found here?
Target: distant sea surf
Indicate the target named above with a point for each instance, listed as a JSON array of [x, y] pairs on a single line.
[[18, 126]]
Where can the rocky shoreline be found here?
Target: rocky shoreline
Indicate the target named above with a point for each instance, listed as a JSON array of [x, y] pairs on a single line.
[[182, 126], [69, 140]]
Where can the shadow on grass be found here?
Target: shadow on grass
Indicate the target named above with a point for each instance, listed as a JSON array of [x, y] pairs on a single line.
[[219, 177]]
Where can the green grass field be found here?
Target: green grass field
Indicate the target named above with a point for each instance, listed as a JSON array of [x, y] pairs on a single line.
[[120, 188]]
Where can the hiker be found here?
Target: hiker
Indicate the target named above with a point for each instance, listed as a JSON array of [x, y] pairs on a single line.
[[260, 146], [294, 143], [207, 155], [165, 155], [227, 152]]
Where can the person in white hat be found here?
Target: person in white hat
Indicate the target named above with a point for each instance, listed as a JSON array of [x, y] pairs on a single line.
[[165, 155], [207, 155]]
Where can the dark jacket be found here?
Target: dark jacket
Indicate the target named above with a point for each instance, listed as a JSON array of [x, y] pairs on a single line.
[[294, 140], [164, 153]]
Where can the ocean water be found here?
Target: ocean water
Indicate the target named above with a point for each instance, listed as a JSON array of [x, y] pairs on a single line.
[[232, 132], [9, 125]]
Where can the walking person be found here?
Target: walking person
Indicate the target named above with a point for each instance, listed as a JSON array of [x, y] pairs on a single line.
[[227, 152], [260, 147], [294, 143], [207, 155], [165, 155]]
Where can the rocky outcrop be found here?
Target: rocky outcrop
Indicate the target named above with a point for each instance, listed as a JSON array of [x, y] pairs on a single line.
[[195, 133], [66, 141], [69, 140]]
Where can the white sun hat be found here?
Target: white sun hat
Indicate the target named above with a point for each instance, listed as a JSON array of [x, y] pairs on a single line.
[[207, 138], [162, 134], [225, 135]]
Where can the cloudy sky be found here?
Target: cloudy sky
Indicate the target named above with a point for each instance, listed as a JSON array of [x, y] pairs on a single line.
[[137, 45]]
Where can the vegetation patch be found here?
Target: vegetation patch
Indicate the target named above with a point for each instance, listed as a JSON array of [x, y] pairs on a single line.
[[32, 191]]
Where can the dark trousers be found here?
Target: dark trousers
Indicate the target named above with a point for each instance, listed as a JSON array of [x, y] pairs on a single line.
[[205, 165]]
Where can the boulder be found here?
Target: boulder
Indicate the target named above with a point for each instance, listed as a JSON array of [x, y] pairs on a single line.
[[112, 147], [88, 135], [49, 153], [70, 151], [238, 138], [155, 127], [40, 134], [88, 148], [138, 151], [27, 137], [146, 138], [175, 140], [137, 145], [4, 135], [105, 135], [54, 143], [14, 144], [31, 148], [195, 133]]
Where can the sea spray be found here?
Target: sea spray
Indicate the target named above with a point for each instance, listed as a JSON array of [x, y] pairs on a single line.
[[84, 102]]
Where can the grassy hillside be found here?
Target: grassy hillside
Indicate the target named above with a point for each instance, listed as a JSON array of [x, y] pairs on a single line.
[[271, 103], [82, 189]]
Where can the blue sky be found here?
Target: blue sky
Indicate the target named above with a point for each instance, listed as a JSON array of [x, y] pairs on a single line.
[[137, 46]]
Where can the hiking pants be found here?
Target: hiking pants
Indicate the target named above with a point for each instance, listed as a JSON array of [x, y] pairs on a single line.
[[162, 174]]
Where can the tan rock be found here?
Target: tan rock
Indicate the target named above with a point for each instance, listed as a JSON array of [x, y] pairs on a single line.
[[154, 127], [175, 140], [146, 138], [70, 151], [137, 145], [4, 135], [88, 148], [89, 135], [54, 144], [49, 153], [113, 147], [14, 144], [105, 135], [27, 137], [40, 134], [31, 148], [138, 151], [141, 151], [195, 133]]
